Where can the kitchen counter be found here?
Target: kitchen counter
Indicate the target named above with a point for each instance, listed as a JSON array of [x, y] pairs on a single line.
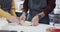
[[19, 28]]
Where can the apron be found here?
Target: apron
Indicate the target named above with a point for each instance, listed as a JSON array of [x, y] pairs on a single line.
[[6, 5], [37, 6]]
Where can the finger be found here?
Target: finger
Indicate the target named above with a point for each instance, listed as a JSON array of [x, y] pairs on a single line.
[[34, 25]]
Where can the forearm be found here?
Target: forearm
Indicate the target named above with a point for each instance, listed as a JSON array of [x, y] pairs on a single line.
[[24, 13], [25, 6], [50, 6], [48, 9]]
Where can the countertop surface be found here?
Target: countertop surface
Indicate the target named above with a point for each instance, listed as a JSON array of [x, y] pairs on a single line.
[[15, 27]]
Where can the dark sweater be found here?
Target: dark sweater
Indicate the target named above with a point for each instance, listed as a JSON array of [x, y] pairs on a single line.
[[50, 6], [6, 5]]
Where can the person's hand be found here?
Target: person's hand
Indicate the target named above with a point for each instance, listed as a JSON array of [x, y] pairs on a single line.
[[13, 19], [42, 14], [22, 18], [35, 21]]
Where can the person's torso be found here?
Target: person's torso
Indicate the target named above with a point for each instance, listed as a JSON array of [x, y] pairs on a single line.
[[37, 4]]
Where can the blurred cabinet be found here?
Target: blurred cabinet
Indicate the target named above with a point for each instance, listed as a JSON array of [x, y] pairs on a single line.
[[19, 5]]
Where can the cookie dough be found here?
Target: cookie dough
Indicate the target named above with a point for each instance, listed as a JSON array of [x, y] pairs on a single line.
[[26, 23]]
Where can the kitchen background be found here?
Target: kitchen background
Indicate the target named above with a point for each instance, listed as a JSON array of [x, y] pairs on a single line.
[[54, 19]]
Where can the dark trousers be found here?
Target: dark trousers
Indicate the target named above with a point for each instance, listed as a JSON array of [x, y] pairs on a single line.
[[6, 5]]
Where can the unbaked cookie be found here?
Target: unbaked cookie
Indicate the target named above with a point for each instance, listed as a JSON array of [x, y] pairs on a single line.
[[26, 23]]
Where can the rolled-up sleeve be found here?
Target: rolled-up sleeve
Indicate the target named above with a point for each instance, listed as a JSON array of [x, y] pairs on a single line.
[[50, 6], [25, 6], [4, 14]]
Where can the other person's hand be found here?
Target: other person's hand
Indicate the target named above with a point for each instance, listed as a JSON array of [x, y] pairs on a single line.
[[13, 19]]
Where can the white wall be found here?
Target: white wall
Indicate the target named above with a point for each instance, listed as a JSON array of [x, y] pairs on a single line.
[[57, 8], [57, 1]]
